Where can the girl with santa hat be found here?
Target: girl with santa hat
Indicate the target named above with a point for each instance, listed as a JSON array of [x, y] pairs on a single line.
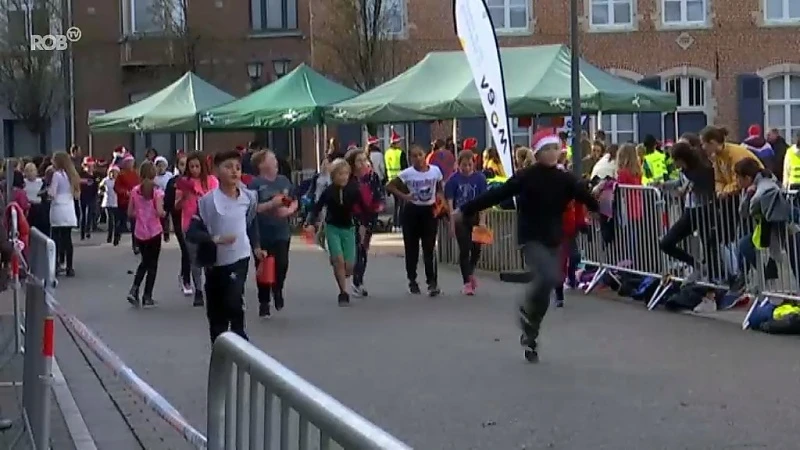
[[543, 193]]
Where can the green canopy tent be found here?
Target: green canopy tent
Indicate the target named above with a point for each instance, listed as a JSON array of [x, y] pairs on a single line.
[[295, 100], [537, 82], [175, 108]]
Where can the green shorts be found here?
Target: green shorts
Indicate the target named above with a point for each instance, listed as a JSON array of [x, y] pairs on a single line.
[[341, 242]]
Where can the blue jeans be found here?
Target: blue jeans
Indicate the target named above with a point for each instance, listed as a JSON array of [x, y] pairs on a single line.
[[748, 255]]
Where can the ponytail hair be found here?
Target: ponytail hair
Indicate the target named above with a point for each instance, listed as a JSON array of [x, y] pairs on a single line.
[[715, 134]]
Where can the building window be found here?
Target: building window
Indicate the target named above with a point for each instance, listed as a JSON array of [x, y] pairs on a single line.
[[273, 15], [684, 12], [509, 15], [391, 17], [783, 104], [611, 13], [155, 16], [690, 92], [620, 128], [24, 19], [782, 10]]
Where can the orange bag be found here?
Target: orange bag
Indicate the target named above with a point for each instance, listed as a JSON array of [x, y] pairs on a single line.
[[266, 271], [440, 208], [482, 235]]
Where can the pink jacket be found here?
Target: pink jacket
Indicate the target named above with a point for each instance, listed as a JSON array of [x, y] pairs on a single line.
[[189, 198], [148, 222]]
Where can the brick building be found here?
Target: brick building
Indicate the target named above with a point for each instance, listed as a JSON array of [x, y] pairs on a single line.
[[732, 62]]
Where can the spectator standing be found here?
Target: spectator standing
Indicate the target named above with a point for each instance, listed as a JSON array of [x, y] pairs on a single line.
[[779, 146], [759, 146]]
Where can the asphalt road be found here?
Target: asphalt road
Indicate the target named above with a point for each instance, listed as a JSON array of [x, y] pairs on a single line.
[[447, 373]]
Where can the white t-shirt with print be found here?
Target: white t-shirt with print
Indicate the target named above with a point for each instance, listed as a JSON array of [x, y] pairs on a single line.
[[422, 185]]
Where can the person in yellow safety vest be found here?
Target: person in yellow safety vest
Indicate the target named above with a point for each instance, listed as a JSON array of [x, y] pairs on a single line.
[[791, 166], [654, 165], [396, 161]]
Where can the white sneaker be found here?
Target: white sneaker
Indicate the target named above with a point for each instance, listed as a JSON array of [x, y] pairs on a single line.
[[185, 288], [359, 291], [708, 305]]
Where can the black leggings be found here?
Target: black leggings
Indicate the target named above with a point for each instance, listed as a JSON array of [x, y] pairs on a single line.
[[87, 218], [419, 226], [186, 262], [150, 250], [62, 236], [468, 252], [280, 251], [703, 220]]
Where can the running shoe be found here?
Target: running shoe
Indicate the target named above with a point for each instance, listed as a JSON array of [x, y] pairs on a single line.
[[468, 289], [264, 311], [359, 291], [344, 299], [413, 287]]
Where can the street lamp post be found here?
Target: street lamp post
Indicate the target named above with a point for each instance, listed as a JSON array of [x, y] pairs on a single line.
[[280, 67], [575, 82], [255, 70]]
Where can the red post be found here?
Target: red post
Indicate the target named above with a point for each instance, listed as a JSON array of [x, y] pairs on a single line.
[[48, 341]]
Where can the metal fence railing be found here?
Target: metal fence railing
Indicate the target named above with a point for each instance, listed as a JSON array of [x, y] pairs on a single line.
[[253, 399], [671, 237]]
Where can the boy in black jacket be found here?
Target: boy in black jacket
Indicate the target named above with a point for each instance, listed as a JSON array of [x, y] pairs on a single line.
[[543, 192]]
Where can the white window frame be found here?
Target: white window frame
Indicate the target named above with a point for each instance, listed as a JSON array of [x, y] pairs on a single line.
[[684, 21], [613, 132], [258, 16], [784, 18], [612, 22], [683, 103], [788, 131], [403, 8], [506, 29], [177, 13], [27, 7]]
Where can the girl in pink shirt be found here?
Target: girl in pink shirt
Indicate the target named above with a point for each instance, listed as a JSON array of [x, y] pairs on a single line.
[[193, 184], [146, 207]]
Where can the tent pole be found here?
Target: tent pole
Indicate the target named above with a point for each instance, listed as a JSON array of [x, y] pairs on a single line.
[[324, 137], [91, 144], [455, 135], [292, 145], [317, 149], [677, 133], [599, 123]]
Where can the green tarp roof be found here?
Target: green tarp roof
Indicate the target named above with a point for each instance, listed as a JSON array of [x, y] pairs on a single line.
[[537, 81], [296, 99], [174, 108]]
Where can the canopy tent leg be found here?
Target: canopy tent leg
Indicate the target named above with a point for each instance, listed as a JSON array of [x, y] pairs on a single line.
[[598, 125], [293, 146], [198, 140], [677, 132], [91, 145], [455, 136], [324, 138], [317, 148]]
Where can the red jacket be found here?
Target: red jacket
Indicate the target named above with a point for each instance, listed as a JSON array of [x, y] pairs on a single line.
[[123, 185], [574, 219]]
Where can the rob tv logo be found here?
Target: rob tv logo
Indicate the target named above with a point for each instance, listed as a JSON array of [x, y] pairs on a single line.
[[55, 41]]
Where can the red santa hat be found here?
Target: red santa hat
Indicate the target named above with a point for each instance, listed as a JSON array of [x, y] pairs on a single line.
[[542, 138], [469, 144], [668, 143], [754, 130], [395, 137], [240, 148], [88, 160], [180, 152], [351, 146], [373, 140]]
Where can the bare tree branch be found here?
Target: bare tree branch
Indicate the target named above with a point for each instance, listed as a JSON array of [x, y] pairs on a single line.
[[32, 84], [361, 41]]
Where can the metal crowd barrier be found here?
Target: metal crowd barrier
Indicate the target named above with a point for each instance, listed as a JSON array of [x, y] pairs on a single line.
[[502, 256], [252, 397], [635, 238]]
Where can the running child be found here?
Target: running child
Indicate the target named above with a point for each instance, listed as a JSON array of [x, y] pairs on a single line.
[[110, 206], [373, 195], [146, 208], [225, 232], [462, 187], [162, 179], [340, 200], [174, 213], [543, 192], [189, 188], [419, 187], [273, 225]]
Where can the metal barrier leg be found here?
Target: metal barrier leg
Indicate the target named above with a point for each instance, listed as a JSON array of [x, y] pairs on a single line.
[[39, 329], [595, 280], [757, 302], [660, 292]]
